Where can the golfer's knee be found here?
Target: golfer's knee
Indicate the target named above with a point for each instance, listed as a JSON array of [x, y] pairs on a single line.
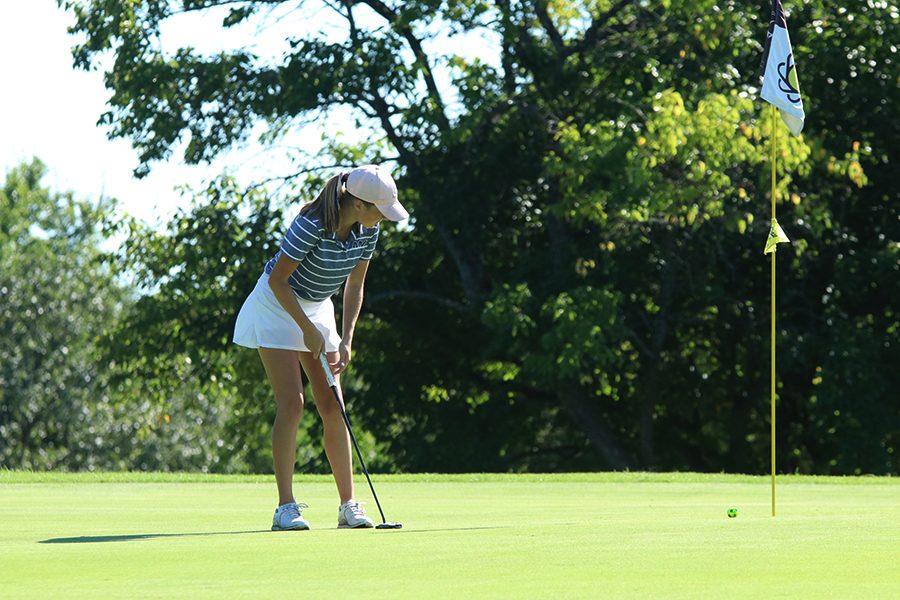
[[326, 405], [290, 408]]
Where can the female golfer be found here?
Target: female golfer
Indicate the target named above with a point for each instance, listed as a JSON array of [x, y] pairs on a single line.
[[289, 319]]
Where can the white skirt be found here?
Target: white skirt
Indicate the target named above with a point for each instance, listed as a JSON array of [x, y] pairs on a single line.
[[263, 322]]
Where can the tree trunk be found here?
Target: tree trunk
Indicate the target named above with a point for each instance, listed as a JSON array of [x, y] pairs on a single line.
[[648, 402], [651, 392], [586, 418]]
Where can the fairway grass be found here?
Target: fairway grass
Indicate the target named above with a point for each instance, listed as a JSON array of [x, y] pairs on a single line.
[[616, 535]]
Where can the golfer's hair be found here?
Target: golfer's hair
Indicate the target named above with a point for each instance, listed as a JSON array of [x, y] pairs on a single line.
[[327, 205]]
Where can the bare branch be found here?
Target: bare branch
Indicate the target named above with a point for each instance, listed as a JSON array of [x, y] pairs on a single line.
[[383, 112], [591, 36], [380, 109], [354, 31], [544, 17], [285, 179], [187, 7], [509, 73], [406, 31]]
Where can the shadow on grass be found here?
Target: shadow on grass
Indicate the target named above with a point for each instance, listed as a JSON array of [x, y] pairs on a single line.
[[93, 539]]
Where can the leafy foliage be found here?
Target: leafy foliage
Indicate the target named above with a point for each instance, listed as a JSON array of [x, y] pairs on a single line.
[[583, 277], [55, 295], [61, 404]]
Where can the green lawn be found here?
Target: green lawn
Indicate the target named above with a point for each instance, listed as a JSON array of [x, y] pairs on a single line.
[[623, 535]]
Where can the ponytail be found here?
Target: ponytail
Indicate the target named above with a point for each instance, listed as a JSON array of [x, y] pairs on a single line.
[[327, 205]]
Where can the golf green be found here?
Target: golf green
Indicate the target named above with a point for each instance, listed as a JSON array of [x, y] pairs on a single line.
[[618, 535]]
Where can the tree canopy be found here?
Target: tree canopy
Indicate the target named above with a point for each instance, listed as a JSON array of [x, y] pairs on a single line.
[[582, 283]]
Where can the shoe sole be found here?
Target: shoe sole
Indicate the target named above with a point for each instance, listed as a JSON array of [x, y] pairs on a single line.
[[300, 528], [361, 526]]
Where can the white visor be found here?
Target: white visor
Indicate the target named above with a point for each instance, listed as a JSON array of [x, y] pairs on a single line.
[[375, 185]]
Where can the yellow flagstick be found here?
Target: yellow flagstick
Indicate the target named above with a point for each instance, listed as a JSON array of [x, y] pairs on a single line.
[[774, 191]]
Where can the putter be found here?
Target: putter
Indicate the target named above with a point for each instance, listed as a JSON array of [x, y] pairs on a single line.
[[385, 524]]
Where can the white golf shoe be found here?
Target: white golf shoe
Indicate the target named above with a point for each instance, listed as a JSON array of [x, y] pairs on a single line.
[[352, 516], [287, 517]]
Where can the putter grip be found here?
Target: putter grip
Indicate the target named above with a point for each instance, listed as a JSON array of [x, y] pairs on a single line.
[[325, 366]]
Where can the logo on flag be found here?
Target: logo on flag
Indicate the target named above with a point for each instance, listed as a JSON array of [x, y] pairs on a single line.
[[780, 85]]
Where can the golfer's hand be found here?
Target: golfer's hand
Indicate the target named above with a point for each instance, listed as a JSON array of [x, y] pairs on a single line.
[[343, 358], [314, 341]]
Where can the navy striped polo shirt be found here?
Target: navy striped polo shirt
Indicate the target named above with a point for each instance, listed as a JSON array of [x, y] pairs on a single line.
[[325, 261]]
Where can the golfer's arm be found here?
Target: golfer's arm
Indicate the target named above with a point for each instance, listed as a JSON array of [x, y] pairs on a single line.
[[353, 297], [278, 281]]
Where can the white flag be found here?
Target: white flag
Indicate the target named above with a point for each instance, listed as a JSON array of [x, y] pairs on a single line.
[[780, 86]]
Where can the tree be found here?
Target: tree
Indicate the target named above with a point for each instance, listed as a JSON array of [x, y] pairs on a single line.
[[170, 348], [63, 404], [583, 265], [57, 298]]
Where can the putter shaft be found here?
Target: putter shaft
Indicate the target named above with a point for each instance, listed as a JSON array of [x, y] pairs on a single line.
[[337, 396]]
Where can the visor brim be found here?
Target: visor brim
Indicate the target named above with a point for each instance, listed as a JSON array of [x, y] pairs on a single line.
[[394, 212]]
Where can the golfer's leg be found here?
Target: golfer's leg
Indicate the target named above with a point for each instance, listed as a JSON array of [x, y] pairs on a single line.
[[337, 440], [283, 370]]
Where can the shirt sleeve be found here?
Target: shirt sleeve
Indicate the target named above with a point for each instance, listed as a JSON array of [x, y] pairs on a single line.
[[370, 247], [301, 237]]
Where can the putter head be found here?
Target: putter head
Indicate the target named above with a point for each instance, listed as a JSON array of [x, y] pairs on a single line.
[[389, 526]]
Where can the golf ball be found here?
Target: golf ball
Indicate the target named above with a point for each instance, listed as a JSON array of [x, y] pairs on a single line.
[[732, 513]]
